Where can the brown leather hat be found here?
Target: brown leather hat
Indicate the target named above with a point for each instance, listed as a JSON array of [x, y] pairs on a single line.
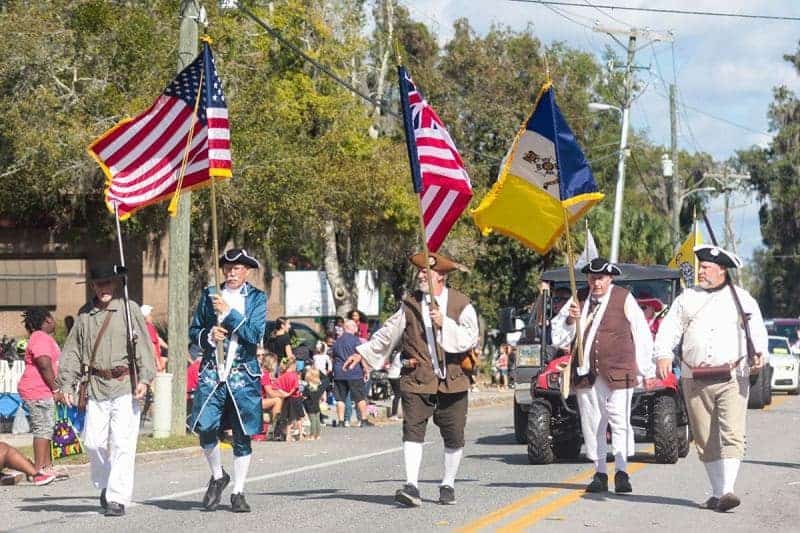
[[438, 262]]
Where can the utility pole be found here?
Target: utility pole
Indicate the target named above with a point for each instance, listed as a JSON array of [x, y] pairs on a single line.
[[179, 233], [728, 181], [631, 49], [677, 201]]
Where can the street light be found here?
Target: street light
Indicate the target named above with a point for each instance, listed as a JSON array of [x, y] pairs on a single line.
[[623, 148]]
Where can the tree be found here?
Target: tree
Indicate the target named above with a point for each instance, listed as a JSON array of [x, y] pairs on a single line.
[[775, 174]]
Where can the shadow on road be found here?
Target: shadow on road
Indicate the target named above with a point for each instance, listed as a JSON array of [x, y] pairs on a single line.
[[176, 505], [641, 498], [541, 485], [431, 481], [334, 494], [505, 458], [56, 508], [772, 463], [505, 438]]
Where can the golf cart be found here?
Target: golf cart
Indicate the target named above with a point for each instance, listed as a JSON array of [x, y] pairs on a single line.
[[549, 424]]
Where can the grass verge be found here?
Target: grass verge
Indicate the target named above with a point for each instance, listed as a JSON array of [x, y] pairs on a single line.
[[146, 444]]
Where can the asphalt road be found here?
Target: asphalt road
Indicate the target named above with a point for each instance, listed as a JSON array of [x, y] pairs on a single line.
[[346, 481]]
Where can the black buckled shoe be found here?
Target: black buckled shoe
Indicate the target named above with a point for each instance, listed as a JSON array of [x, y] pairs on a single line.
[[103, 501], [599, 483], [214, 491], [408, 496], [447, 495], [115, 509], [622, 482], [239, 504], [727, 502], [710, 504]]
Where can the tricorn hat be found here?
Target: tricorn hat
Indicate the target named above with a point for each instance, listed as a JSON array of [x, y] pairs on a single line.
[[437, 262], [238, 256], [103, 271], [715, 254], [599, 265]]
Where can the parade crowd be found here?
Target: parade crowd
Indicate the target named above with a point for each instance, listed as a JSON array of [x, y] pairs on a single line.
[[245, 384]]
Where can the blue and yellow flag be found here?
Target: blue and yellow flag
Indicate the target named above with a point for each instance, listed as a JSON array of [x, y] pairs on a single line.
[[544, 173]]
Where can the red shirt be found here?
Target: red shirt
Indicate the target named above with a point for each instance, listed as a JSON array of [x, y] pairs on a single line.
[[31, 385], [289, 382], [193, 375], [266, 381]]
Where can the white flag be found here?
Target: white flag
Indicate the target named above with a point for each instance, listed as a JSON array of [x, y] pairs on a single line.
[[589, 251]]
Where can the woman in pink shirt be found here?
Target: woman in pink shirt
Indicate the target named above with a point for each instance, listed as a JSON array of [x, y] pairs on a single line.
[[37, 383]]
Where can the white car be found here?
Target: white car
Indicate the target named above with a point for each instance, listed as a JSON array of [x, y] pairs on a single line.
[[785, 365]]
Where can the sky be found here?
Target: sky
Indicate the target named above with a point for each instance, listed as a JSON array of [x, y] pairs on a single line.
[[725, 69]]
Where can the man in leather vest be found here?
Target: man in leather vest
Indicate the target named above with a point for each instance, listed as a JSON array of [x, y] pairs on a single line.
[[617, 350], [428, 387], [705, 323]]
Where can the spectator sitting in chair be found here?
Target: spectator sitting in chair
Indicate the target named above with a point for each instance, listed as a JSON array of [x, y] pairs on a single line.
[[271, 396], [10, 457]]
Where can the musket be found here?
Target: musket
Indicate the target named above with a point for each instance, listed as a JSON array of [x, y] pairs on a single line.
[[130, 345], [751, 349]]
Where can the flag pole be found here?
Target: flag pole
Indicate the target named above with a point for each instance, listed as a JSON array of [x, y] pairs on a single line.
[[567, 374], [696, 262], [173, 203], [131, 343], [433, 305]]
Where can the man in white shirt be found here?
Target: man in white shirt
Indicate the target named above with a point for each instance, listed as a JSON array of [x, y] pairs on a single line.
[[431, 385], [617, 352], [705, 323]]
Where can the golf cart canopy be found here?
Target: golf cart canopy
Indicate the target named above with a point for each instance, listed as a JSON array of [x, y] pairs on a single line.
[[630, 272]]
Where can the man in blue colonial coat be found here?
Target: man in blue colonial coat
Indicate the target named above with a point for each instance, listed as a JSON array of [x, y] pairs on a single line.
[[235, 315]]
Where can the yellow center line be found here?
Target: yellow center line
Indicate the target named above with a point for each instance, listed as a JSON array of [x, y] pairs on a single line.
[[501, 513], [776, 401], [573, 495]]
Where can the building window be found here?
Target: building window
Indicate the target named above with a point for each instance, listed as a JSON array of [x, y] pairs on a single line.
[[27, 282]]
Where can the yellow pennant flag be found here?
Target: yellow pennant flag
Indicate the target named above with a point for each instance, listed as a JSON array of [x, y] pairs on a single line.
[[685, 260]]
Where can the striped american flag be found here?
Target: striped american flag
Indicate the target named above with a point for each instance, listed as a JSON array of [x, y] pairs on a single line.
[[142, 157], [437, 171]]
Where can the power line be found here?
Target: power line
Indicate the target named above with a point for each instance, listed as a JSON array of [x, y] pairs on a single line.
[[612, 17], [326, 70], [288, 44], [661, 10]]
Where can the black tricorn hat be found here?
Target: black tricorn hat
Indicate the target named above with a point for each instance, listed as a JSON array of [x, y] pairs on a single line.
[[103, 271], [715, 254], [600, 265], [238, 256]]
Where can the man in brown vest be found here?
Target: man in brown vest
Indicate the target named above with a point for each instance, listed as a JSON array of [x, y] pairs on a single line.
[[617, 350], [428, 387]]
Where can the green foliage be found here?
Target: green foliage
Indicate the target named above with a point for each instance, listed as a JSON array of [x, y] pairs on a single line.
[[303, 155], [775, 175]]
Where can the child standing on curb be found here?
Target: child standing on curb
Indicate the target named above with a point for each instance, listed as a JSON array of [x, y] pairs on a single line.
[[311, 397]]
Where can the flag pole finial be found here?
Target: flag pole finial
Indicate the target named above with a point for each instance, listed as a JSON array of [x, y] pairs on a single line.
[[206, 39], [547, 69], [398, 57]]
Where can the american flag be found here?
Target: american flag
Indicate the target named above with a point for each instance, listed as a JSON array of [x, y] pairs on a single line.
[[437, 171], [142, 157]]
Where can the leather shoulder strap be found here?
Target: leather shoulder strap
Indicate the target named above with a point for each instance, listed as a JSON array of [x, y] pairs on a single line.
[[99, 337]]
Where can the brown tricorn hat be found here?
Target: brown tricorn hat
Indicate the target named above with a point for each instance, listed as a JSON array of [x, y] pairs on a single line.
[[437, 262]]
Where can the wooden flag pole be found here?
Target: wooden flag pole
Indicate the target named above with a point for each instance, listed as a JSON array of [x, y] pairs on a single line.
[[432, 303], [131, 341], [173, 203], [567, 373]]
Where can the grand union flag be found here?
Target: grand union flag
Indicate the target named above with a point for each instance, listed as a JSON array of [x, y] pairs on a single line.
[[142, 157], [437, 171]]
